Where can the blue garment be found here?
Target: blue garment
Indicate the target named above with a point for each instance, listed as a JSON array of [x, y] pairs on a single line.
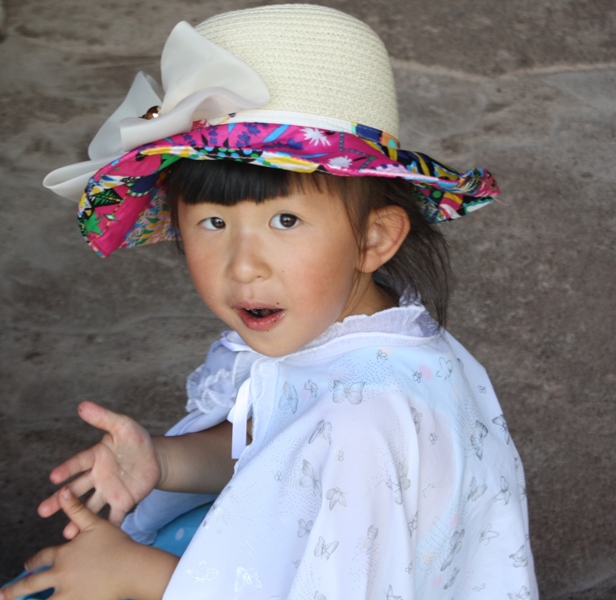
[[175, 536]]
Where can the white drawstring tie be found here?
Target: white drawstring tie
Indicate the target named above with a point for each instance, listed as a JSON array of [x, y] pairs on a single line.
[[238, 415]]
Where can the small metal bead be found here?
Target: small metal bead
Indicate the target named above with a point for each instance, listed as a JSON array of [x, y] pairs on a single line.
[[152, 113]]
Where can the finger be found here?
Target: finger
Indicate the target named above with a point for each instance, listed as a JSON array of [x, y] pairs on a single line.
[[95, 503], [116, 515], [43, 558], [80, 486], [30, 584], [49, 506], [99, 417], [76, 510], [70, 531], [81, 462]]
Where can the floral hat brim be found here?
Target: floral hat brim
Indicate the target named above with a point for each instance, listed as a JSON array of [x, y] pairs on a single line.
[[214, 106], [124, 202]]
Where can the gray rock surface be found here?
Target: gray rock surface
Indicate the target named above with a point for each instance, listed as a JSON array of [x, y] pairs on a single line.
[[525, 89]]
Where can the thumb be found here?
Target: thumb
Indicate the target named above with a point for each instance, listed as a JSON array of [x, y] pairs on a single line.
[[99, 417], [76, 510]]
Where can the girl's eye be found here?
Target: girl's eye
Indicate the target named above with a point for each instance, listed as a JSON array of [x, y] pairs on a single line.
[[284, 221], [213, 223]]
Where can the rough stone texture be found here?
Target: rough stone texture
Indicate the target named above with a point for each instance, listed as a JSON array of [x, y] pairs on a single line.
[[2, 19], [526, 89]]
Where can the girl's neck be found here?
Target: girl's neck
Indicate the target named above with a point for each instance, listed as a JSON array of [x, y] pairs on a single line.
[[370, 298]]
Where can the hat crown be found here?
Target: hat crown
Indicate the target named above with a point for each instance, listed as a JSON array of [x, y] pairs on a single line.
[[314, 60]]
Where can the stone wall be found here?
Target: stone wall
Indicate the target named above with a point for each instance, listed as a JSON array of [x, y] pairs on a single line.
[[527, 89]]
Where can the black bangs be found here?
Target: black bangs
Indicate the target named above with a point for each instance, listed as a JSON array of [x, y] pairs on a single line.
[[419, 270], [227, 182]]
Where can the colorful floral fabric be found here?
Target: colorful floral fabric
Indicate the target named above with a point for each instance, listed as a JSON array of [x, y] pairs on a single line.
[[124, 203]]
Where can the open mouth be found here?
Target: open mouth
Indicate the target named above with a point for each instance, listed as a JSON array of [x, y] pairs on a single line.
[[262, 313], [261, 319]]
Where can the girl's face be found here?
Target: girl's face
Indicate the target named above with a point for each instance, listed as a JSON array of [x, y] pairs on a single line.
[[279, 272]]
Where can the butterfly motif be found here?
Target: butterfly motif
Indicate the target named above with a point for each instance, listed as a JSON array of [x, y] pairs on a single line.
[[278, 476], [324, 550], [312, 388], [487, 535], [352, 392], [412, 524], [335, 496], [456, 543], [296, 563], [288, 400], [202, 573], [500, 421], [381, 355], [390, 594], [433, 438], [519, 558], [318, 596], [246, 577], [446, 368], [417, 417], [216, 514], [309, 478], [523, 594], [416, 376], [425, 491], [504, 494], [370, 537], [304, 527], [323, 430], [340, 455], [451, 580], [476, 491], [409, 568], [477, 438], [479, 588], [402, 482], [482, 389]]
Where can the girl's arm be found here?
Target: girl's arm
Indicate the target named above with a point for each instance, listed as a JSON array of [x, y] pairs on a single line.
[[196, 462], [127, 464], [100, 563]]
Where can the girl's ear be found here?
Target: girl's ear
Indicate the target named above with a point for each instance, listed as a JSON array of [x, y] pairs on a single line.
[[386, 229]]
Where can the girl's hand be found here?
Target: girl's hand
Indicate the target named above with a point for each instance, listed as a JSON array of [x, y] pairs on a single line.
[[122, 468], [100, 563]]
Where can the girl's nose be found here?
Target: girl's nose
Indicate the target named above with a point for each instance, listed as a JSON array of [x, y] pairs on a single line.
[[247, 260]]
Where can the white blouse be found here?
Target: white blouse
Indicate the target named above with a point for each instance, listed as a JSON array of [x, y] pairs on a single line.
[[380, 467]]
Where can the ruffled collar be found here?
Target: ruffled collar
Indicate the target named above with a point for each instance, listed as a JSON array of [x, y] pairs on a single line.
[[412, 320]]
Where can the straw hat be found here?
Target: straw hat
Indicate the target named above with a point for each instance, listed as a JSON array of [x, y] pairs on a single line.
[[317, 61], [292, 86]]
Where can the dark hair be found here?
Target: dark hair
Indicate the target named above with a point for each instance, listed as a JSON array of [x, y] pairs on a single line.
[[420, 268]]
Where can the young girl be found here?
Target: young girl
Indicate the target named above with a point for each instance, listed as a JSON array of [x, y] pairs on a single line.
[[357, 449]]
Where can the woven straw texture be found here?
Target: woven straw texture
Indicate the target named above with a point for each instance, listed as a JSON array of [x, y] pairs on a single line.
[[314, 60]]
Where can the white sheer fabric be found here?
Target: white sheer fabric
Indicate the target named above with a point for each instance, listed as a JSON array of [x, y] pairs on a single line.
[[381, 467]]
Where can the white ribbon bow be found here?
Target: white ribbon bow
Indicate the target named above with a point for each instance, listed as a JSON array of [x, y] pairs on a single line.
[[201, 81]]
